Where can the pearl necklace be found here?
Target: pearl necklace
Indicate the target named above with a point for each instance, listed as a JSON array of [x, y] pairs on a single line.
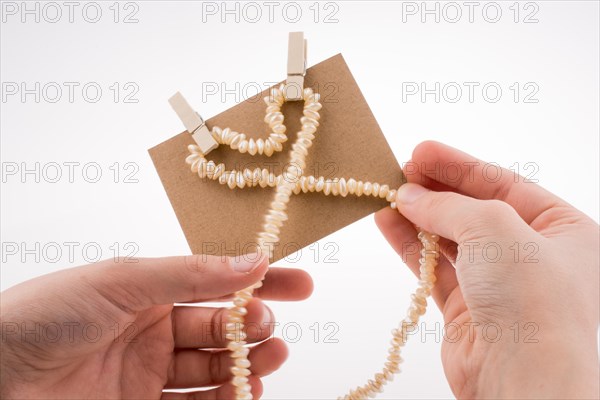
[[292, 181]]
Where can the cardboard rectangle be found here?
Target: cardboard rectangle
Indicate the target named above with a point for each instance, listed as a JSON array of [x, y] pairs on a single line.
[[348, 143]]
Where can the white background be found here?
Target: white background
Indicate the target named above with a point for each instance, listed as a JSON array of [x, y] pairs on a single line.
[[176, 46]]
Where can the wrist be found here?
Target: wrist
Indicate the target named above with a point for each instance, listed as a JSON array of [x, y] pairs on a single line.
[[6, 374], [558, 367]]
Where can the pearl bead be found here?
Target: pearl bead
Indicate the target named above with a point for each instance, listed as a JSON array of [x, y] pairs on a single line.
[[308, 120], [298, 152], [219, 170], [335, 187], [244, 389], [240, 301], [375, 190], [231, 179], [193, 148], [237, 371], [269, 102], [258, 284], [273, 108], [226, 136], [359, 188], [392, 367], [237, 336], [239, 380], [282, 197], [306, 135], [238, 311], [313, 106], [278, 137], [270, 116], [198, 167], [210, 169], [233, 327], [309, 128], [242, 363], [391, 196], [194, 166], [239, 180], [311, 114], [279, 128], [240, 352], [271, 228], [235, 142], [327, 188], [320, 184], [351, 185], [194, 157], [255, 176], [235, 345], [343, 187], [244, 396], [252, 148], [268, 148], [260, 146], [275, 144], [383, 191], [307, 93]]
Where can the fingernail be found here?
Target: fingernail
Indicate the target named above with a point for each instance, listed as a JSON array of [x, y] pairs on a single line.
[[246, 263], [409, 192], [267, 319]]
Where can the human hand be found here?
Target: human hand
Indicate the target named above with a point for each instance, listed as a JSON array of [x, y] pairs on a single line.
[[517, 280], [111, 330]]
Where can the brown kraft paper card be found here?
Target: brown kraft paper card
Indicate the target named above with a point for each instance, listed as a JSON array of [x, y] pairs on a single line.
[[348, 143]]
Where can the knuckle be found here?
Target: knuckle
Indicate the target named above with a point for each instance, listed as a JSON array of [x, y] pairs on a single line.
[[196, 263], [111, 283], [438, 201], [217, 368], [487, 219], [217, 322], [172, 371], [497, 211]]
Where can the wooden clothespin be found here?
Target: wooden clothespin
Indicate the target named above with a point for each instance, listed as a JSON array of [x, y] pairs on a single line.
[[194, 123], [296, 67]]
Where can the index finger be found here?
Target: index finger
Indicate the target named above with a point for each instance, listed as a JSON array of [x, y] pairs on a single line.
[[155, 281], [435, 163], [280, 284]]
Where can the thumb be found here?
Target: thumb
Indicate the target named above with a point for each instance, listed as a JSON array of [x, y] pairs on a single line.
[[454, 216], [135, 286]]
